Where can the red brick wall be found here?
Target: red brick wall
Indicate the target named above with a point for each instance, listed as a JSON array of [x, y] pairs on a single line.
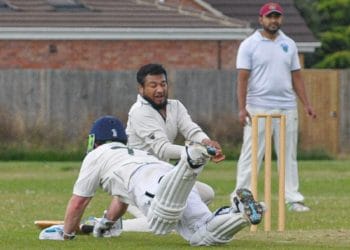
[[117, 55]]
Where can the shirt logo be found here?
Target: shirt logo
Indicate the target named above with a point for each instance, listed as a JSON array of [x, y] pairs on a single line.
[[151, 136], [284, 47]]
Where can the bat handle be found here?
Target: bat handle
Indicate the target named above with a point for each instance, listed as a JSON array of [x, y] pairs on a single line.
[[211, 150]]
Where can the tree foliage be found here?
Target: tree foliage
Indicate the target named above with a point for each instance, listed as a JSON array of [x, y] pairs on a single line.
[[330, 22], [333, 13]]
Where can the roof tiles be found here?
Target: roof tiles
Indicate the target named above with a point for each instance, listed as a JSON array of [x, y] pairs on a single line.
[[248, 10], [109, 13]]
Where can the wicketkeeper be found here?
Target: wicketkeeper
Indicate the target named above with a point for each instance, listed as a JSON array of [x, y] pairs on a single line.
[[163, 193]]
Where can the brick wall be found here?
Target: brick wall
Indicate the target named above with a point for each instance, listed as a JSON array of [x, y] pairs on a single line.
[[117, 55]]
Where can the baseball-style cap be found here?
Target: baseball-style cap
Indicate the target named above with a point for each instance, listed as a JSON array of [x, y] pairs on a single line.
[[269, 8]]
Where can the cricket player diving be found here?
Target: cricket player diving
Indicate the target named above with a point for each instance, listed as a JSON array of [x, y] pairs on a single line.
[[164, 194]]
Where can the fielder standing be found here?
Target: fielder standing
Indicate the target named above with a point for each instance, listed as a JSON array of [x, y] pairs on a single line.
[[269, 79]]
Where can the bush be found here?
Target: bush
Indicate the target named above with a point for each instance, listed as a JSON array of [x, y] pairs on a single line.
[[340, 60], [20, 154]]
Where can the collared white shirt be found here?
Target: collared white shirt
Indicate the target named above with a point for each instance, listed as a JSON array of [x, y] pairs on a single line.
[[147, 130], [270, 63], [111, 166]]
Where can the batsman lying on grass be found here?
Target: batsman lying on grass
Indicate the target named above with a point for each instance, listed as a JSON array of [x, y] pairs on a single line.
[[163, 193]]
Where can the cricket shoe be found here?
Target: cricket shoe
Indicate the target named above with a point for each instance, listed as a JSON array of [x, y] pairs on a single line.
[[297, 207], [198, 154], [252, 209]]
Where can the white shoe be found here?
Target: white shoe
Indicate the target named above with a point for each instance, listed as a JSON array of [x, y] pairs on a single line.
[[297, 207]]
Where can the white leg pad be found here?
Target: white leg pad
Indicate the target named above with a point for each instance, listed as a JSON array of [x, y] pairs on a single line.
[[170, 198], [205, 191], [135, 211], [220, 229], [136, 225]]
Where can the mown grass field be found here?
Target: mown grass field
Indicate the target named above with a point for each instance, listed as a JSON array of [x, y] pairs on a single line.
[[40, 190]]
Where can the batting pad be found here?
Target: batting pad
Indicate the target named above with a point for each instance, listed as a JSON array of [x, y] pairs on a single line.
[[170, 199], [220, 229]]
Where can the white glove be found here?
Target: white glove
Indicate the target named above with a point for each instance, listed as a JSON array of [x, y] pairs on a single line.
[[115, 230], [102, 226]]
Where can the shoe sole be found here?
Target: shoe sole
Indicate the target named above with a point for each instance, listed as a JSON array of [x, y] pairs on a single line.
[[252, 209]]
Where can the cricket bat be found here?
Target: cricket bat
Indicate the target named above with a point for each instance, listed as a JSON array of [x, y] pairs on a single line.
[[83, 228]]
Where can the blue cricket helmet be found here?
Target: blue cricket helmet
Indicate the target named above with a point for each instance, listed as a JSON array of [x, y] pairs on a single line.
[[105, 129]]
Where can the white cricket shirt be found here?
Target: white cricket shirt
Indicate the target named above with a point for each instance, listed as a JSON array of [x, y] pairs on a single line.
[[270, 63], [148, 131], [110, 166]]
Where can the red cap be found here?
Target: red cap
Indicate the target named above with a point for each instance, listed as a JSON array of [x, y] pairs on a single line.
[[269, 8]]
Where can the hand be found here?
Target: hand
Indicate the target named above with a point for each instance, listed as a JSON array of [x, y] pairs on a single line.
[[244, 117], [219, 156], [102, 226], [310, 111]]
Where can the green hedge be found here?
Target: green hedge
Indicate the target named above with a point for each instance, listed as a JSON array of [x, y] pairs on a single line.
[[18, 154]]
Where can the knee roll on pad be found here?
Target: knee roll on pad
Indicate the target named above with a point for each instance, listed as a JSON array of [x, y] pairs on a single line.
[[162, 219], [220, 229], [135, 211], [170, 198], [136, 225], [205, 191]]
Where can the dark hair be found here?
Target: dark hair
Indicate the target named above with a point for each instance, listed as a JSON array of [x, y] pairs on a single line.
[[150, 69]]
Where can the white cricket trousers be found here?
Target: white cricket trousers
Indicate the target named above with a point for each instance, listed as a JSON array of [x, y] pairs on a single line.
[[143, 185], [245, 159]]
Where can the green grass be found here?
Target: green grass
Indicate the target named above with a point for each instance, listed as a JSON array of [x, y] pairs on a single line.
[[40, 190]]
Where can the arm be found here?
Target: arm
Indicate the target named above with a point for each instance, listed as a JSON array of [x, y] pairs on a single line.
[[191, 131], [242, 85], [299, 88], [219, 156], [148, 132], [116, 209], [74, 212]]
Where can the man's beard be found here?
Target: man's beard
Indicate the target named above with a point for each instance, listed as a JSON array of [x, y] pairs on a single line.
[[155, 105], [272, 31]]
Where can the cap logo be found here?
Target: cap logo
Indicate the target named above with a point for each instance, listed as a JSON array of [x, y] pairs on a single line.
[[272, 7], [269, 8]]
